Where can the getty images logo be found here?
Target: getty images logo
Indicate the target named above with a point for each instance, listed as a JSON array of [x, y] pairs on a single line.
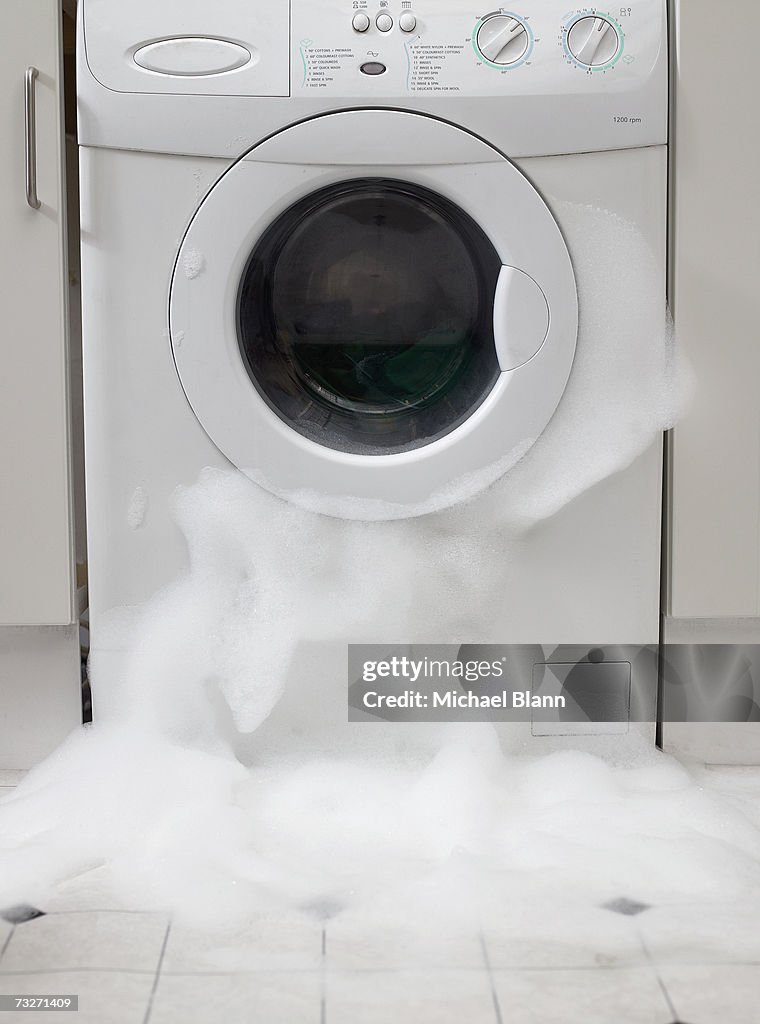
[[413, 669]]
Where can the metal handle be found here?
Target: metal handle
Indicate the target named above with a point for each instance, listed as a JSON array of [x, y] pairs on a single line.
[[30, 139]]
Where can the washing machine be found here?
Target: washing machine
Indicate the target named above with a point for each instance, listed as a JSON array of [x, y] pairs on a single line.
[[325, 242]]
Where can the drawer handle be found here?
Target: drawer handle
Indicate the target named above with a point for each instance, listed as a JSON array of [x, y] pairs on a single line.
[[30, 138]]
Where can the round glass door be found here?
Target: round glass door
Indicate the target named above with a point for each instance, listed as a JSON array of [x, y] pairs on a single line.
[[365, 316]]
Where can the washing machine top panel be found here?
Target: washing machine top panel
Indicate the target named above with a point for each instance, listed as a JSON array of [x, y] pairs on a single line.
[[545, 78], [429, 48], [189, 47], [350, 329]]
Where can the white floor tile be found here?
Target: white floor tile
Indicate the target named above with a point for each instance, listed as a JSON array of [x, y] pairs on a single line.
[[714, 995], [588, 937], [266, 998], [404, 997], [93, 890], [632, 995], [703, 933], [286, 943], [97, 941], [353, 943], [108, 998]]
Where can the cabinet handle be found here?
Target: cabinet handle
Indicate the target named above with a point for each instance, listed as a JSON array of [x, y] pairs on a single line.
[[30, 138]]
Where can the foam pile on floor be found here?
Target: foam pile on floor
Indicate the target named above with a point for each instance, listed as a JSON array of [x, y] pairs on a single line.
[[466, 833], [223, 775]]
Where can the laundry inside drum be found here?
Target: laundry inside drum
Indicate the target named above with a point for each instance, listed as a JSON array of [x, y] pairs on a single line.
[[365, 316]]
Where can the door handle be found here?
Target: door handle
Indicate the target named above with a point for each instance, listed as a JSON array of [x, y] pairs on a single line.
[[30, 138], [520, 318]]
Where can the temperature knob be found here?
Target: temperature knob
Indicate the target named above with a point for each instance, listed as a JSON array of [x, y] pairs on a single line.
[[502, 39], [593, 41]]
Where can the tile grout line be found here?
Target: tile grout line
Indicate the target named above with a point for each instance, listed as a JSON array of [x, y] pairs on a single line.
[[656, 969], [489, 972], [100, 910], [323, 966], [665, 993], [7, 941], [256, 972], [151, 997], [718, 764], [13, 972]]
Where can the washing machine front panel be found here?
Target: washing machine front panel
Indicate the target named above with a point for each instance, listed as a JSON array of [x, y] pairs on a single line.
[[371, 305]]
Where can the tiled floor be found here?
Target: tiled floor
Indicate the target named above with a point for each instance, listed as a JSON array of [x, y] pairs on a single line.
[[695, 964], [8, 780]]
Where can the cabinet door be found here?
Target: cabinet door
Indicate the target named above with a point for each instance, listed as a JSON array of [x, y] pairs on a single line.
[[35, 517], [716, 290]]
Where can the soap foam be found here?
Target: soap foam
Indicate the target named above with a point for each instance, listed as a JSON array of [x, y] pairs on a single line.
[[464, 834], [628, 384], [242, 659], [193, 263], [138, 508]]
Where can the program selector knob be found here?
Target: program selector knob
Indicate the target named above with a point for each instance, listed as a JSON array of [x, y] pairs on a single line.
[[593, 41], [502, 39]]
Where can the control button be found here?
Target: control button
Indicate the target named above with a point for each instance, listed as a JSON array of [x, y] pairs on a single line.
[[361, 22], [593, 41], [373, 67], [384, 22], [502, 39], [407, 22]]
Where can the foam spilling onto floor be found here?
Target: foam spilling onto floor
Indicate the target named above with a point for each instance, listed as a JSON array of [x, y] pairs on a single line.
[[467, 834], [222, 777]]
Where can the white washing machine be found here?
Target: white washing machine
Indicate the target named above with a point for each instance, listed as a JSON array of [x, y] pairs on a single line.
[[323, 242]]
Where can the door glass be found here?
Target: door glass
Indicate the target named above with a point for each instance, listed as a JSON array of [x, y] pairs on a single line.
[[365, 316]]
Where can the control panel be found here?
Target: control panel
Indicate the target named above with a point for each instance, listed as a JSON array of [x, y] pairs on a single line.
[[536, 77], [398, 48]]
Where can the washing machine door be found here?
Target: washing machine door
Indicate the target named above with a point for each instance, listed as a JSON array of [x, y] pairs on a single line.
[[373, 313]]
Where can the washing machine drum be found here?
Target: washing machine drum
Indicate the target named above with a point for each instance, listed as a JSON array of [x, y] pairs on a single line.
[[373, 310]]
